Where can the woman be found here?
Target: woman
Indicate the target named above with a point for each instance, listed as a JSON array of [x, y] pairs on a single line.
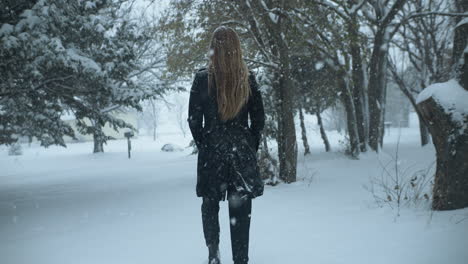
[[223, 96]]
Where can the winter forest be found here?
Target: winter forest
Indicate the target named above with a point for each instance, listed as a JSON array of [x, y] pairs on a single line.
[[363, 155]]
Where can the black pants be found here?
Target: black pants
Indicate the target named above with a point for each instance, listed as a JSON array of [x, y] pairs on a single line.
[[239, 215]]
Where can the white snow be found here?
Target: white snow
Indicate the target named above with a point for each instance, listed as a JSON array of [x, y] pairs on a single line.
[[87, 63], [450, 95], [29, 19], [90, 5], [6, 29], [319, 65], [66, 205], [273, 17], [462, 22]]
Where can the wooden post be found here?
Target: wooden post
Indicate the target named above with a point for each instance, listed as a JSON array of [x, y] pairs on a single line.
[[129, 147], [128, 135]]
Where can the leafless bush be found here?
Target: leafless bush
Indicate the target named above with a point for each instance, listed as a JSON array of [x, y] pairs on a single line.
[[398, 186], [309, 173]]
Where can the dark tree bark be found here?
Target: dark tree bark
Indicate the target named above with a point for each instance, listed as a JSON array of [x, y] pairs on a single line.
[[423, 131], [98, 143], [358, 83], [378, 71], [276, 45], [377, 82], [322, 131], [460, 41], [304, 132], [383, 108], [460, 46], [98, 139], [287, 144], [153, 117], [348, 102], [451, 179], [450, 138]]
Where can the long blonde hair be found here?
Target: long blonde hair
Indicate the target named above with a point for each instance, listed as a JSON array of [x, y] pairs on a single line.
[[228, 72]]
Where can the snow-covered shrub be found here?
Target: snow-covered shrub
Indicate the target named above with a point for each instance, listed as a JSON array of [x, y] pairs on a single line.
[[171, 148], [15, 150]]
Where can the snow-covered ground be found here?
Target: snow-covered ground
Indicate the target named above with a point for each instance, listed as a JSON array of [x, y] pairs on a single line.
[[69, 206]]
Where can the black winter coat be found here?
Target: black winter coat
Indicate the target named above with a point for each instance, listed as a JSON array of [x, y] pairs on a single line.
[[227, 149]]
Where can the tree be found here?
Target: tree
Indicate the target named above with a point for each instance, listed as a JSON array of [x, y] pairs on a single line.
[[317, 89], [180, 108], [85, 57], [448, 123], [323, 25], [125, 54], [30, 84], [150, 116], [424, 42], [380, 16]]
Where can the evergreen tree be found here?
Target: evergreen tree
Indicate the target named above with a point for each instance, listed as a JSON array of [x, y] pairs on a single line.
[[80, 57]]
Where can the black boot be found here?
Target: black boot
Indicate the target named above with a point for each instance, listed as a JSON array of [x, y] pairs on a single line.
[[213, 255]]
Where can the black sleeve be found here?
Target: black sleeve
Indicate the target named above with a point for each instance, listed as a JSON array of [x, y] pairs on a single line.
[[195, 112], [256, 111]]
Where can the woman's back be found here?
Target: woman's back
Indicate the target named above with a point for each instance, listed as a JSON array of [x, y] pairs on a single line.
[[226, 147], [205, 106], [222, 98]]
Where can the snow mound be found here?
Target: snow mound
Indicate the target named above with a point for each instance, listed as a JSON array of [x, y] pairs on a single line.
[[171, 148], [450, 95]]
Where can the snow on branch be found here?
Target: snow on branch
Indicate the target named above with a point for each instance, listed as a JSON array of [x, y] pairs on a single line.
[[333, 8], [439, 14], [270, 65]]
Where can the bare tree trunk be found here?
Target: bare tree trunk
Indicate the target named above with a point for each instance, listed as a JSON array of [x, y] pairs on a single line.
[[450, 138], [376, 91], [350, 118], [276, 45], [358, 82], [304, 132], [154, 114], [460, 41], [322, 131], [451, 179], [383, 107], [98, 143], [287, 149], [378, 71], [287, 144], [98, 137], [460, 46], [423, 131]]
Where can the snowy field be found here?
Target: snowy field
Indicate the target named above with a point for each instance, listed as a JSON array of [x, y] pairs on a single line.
[[69, 206]]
